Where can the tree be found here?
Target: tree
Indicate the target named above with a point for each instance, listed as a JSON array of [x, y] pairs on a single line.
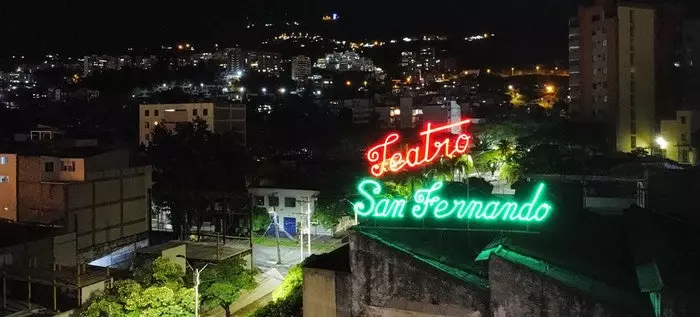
[[189, 162], [160, 272], [224, 283], [128, 298]]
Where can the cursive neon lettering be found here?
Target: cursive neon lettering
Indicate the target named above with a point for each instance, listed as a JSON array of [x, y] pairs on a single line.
[[387, 156], [427, 202]]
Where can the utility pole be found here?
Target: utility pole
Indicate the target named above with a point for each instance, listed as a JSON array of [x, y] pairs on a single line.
[[277, 234]]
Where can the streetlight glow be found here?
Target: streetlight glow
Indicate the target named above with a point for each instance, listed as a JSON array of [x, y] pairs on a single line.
[[661, 142]]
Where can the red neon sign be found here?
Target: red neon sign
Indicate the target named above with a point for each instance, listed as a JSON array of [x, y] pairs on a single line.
[[382, 159]]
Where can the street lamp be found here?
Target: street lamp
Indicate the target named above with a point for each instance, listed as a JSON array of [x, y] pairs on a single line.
[[661, 142], [195, 276]]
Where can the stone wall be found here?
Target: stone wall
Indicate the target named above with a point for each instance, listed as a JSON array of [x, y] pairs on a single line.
[[518, 291], [386, 282]]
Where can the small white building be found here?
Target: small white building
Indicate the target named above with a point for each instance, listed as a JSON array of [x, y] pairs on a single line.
[[291, 206]]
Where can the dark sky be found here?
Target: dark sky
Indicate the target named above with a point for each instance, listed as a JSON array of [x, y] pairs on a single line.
[[93, 26]]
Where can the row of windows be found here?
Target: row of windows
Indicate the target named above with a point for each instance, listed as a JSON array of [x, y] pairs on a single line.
[[274, 201], [194, 112], [67, 166]]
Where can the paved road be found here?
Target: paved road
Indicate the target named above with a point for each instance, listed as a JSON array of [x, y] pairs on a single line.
[[265, 258]]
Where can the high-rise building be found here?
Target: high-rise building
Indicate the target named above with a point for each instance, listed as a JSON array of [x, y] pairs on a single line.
[[301, 68], [264, 62], [219, 117], [621, 69], [234, 57]]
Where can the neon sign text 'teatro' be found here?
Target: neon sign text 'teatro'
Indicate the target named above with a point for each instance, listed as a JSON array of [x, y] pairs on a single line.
[[384, 156], [427, 203]]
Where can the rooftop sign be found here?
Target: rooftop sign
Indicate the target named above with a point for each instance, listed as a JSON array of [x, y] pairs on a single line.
[[390, 157], [428, 203]]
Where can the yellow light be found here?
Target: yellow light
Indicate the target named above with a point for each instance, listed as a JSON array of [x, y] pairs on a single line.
[[510, 87], [488, 71], [180, 47], [348, 83], [549, 89], [364, 83], [188, 45], [663, 144], [155, 122]]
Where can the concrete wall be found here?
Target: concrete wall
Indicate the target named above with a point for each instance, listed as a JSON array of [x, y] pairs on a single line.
[[8, 190], [41, 202], [87, 291], [389, 283], [64, 249], [319, 293], [110, 206], [518, 291]]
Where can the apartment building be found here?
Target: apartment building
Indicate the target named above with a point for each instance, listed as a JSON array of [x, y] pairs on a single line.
[[219, 117]]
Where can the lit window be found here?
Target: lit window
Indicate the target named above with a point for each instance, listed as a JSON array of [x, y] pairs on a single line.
[[259, 200], [4, 179], [68, 166], [290, 202], [3, 160]]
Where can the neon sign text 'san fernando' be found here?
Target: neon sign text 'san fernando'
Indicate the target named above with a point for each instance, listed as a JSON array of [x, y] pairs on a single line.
[[383, 158], [427, 203]]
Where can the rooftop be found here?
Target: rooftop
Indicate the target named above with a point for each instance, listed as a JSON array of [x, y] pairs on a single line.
[[336, 260]]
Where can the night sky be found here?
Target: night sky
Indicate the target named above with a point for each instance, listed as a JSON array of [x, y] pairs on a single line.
[[81, 26]]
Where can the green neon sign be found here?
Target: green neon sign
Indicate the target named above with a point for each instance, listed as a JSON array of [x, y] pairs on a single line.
[[427, 203]]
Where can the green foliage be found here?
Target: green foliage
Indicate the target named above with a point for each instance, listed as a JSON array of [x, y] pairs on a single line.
[[479, 184], [160, 272], [157, 291], [223, 283], [261, 219], [287, 299], [128, 299], [292, 281]]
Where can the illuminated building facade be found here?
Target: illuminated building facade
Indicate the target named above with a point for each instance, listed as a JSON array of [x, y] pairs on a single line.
[[621, 60], [301, 68], [264, 62], [219, 117]]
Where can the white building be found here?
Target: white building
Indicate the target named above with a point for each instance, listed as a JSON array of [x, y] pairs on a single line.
[[291, 206], [301, 68]]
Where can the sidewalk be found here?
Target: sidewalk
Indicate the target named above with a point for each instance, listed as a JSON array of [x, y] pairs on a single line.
[[267, 282]]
